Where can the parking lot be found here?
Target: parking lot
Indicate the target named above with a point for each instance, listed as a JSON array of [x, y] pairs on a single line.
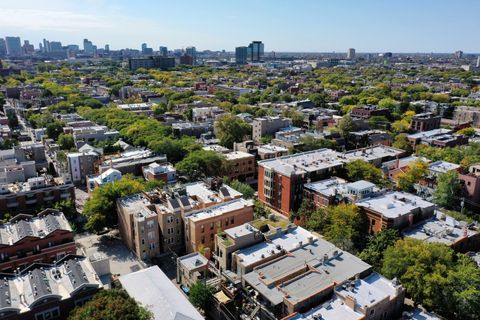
[[122, 261]]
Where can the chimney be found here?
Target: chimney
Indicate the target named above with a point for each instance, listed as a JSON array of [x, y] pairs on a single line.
[[410, 219], [397, 163]]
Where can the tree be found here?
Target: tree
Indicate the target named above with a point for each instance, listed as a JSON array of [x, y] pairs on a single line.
[[54, 129], [378, 122], [296, 116], [448, 189], [201, 295], [343, 225], [260, 209], [67, 207], [201, 163], [434, 276], [345, 125], [111, 304], [401, 142], [243, 188], [12, 119], [311, 143], [362, 170], [376, 246], [231, 129], [100, 207], [388, 103], [304, 212], [417, 171], [468, 132], [65, 141]]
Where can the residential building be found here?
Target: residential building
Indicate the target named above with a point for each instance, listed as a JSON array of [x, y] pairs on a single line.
[[192, 268], [241, 54], [27, 239], [366, 112], [91, 134], [37, 192], [440, 138], [304, 277], [268, 126], [138, 226], [242, 166], [191, 129], [48, 291], [163, 51], [192, 52], [467, 114], [144, 108], [202, 226], [152, 289], [397, 210], [154, 62], [444, 229], [155, 171], [105, 177], [270, 151], [131, 161], [471, 183], [425, 122], [281, 180], [82, 164], [335, 190]]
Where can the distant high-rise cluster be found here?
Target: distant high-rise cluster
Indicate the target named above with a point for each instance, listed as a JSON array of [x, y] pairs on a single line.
[[253, 53]]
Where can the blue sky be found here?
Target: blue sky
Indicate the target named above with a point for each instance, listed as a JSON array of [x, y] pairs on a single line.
[[283, 25]]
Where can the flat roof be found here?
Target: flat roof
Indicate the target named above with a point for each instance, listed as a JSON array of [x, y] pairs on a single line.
[[155, 291], [193, 260], [429, 134], [280, 241], [331, 264], [394, 204], [440, 228], [220, 209], [442, 166], [238, 155], [368, 291], [332, 310], [240, 231]]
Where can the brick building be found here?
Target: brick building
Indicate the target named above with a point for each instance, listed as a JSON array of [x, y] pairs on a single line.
[[26, 239], [425, 122], [366, 112], [242, 166]]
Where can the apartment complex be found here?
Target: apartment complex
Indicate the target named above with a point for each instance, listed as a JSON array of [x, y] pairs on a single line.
[[242, 166], [35, 193], [440, 138], [281, 180], [202, 226], [155, 171], [82, 164], [158, 221], [425, 122], [268, 126], [47, 291], [27, 239]]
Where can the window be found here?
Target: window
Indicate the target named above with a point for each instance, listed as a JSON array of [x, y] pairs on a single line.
[[211, 236], [232, 220], [169, 219], [49, 314], [143, 241], [211, 226], [203, 239], [202, 228]]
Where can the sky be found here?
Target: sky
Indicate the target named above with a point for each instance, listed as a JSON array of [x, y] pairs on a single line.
[[283, 25]]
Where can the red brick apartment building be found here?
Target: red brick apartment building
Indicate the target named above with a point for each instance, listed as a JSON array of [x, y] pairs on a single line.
[[281, 180], [26, 239]]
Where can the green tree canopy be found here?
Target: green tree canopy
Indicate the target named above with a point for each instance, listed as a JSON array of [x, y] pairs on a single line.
[[111, 304], [362, 170], [230, 129], [201, 295], [376, 246], [345, 125], [202, 163], [448, 189], [65, 141]]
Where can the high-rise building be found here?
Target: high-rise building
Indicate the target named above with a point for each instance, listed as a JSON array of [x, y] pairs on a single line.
[[241, 55], [459, 54], [478, 62], [107, 48], [55, 46], [3, 47], [256, 51], [163, 51], [87, 46], [144, 46], [192, 52], [14, 46], [46, 45], [351, 54], [28, 48]]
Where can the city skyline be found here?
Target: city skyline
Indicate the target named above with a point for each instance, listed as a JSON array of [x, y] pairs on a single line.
[[301, 26]]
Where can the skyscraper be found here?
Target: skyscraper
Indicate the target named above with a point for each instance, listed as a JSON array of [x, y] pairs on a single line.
[[192, 52], [87, 46], [46, 45], [14, 46], [107, 48], [3, 47], [163, 51], [459, 54], [28, 48], [256, 51], [56, 46], [144, 47], [351, 54], [241, 55]]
